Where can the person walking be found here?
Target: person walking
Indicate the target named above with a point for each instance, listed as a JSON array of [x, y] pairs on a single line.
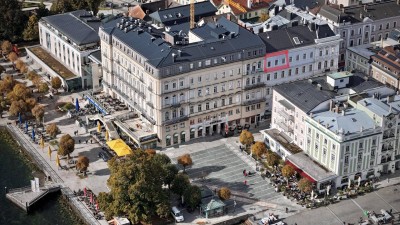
[[287, 209], [245, 182]]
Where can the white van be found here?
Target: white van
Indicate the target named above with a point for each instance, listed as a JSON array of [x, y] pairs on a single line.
[[177, 214]]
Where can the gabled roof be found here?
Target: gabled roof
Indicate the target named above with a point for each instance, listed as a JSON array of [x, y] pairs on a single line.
[[183, 12], [160, 53], [294, 37], [79, 26], [357, 13]]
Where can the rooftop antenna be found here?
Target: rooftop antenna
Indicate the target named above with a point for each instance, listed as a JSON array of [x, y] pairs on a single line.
[[191, 14]]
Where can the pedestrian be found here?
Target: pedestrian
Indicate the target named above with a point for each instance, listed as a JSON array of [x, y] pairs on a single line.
[[86, 141], [245, 182], [90, 141], [287, 210], [390, 211], [388, 179], [244, 172], [79, 141]]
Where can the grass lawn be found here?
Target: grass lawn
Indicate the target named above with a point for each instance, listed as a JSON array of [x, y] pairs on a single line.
[[53, 63]]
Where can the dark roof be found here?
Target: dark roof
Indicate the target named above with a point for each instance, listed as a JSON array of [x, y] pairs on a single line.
[[159, 53], [182, 13], [284, 38], [96, 55], [307, 96], [395, 35], [80, 26], [357, 13], [304, 4], [333, 14]]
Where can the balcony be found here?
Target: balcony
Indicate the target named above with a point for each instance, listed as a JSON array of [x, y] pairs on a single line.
[[286, 115], [388, 136], [175, 120], [254, 101], [253, 86], [176, 105], [285, 127]]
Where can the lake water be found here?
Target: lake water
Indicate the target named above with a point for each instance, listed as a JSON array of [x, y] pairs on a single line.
[[16, 171]]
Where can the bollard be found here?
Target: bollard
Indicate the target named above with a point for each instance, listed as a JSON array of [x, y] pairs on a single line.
[[6, 190]]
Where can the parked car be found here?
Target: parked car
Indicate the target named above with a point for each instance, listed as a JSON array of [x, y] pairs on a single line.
[[126, 4], [103, 155], [177, 214]]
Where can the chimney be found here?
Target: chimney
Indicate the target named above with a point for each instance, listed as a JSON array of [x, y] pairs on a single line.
[[311, 115], [249, 3], [343, 113], [173, 57], [331, 105]]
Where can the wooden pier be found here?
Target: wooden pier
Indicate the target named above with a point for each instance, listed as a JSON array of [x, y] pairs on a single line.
[[25, 198]]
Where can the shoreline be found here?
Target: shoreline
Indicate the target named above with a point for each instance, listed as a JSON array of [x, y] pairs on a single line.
[[67, 196]]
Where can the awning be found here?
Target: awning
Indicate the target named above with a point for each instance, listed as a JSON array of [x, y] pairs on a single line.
[[119, 147], [301, 172], [97, 105]]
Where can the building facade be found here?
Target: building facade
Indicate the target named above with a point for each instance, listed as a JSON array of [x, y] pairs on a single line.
[[184, 91], [70, 38], [361, 24], [345, 124], [386, 66]]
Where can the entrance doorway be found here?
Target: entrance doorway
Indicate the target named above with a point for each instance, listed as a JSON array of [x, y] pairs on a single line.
[[253, 119], [214, 128], [200, 132], [207, 131], [192, 133], [183, 136]]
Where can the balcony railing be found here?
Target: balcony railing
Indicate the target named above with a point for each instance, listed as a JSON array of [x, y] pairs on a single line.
[[254, 101], [254, 86], [175, 120]]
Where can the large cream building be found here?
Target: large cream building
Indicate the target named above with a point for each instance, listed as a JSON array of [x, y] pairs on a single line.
[[184, 90]]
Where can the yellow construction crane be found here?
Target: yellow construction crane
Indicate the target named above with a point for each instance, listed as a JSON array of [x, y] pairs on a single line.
[[192, 22]]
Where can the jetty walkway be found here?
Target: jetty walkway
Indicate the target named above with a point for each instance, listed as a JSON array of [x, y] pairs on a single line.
[[26, 196]]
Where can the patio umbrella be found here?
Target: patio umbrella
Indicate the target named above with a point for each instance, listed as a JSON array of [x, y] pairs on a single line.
[[26, 126], [107, 135], [19, 118], [57, 160], [359, 181], [312, 194], [91, 198], [33, 134], [349, 184], [84, 191], [97, 205], [42, 143], [226, 128], [49, 152], [98, 126], [77, 104]]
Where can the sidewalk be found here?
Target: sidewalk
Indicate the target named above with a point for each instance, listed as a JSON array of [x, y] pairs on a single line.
[[388, 180]]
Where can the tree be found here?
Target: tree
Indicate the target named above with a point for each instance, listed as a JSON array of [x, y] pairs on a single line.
[[150, 151], [263, 17], [272, 158], [38, 112], [23, 69], [305, 185], [185, 160], [94, 5], [12, 56], [32, 75], [258, 149], [6, 47], [224, 193], [20, 91], [246, 138], [30, 103], [52, 130], [43, 87], [19, 63], [17, 107], [2, 69], [82, 164], [7, 84], [170, 172], [180, 184], [12, 20], [137, 191], [56, 83], [31, 31], [61, 6], [66, 146], [192, 196], [42, 11], [287, 172], [37, 80]]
